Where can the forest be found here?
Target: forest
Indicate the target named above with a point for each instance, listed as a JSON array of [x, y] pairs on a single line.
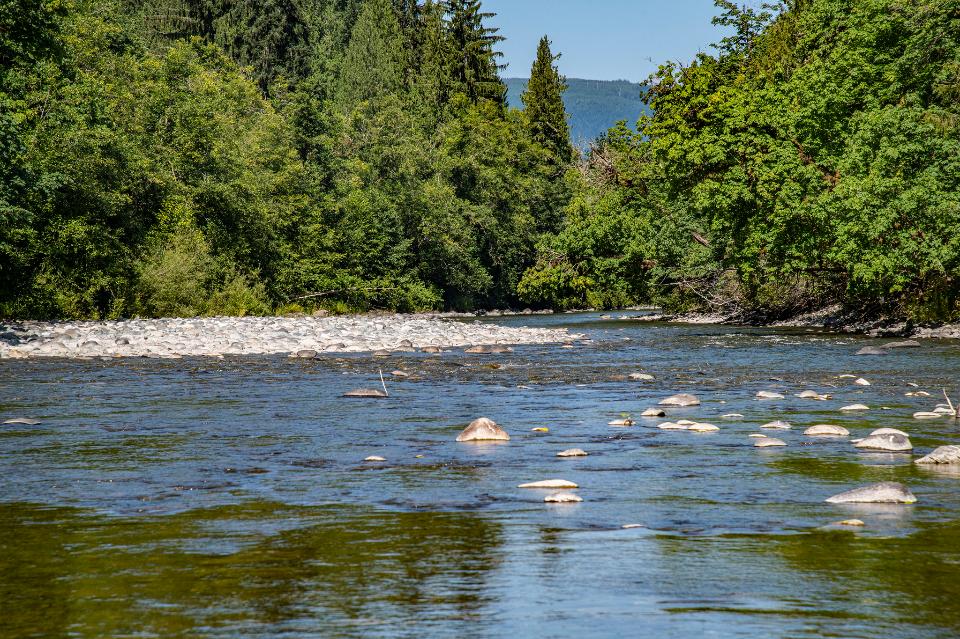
[[198, 157]]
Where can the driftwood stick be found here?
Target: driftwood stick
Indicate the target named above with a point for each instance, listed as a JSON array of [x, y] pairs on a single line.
[[956, 411], [384, 384]]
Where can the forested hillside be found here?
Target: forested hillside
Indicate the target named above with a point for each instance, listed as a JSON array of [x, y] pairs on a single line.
[[240, 156], [186, 157], [814, 159], [593, 105]]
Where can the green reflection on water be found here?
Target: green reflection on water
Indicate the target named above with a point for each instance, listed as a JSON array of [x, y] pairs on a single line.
[[341, 571]]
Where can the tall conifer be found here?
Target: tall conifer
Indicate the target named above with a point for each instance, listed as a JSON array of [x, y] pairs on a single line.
[[474, 65], [373, 63], [543, 104]]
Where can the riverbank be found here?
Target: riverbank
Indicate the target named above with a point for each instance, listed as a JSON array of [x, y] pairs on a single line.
[[831, 318], [221, 336]]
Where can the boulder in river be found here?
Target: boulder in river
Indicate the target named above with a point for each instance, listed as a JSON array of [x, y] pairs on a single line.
[[572, 452], [562, 498], [887, 492], [769, 395], [777, 425], [856, 407], [889, 431], [621, 422], [682, 399], [861, 382], [888, 442], [645, 377], [483, 429], [699, 427], [653, 412], [826, 430], [26, 421], [872, 350], [941, 455], [549, 483], [367, 393], [672, 426], [767, 442]]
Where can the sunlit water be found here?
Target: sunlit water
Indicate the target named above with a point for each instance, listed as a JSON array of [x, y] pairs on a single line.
[[205, 498]]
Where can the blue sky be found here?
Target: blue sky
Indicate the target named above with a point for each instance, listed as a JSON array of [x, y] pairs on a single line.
[[603, 39]]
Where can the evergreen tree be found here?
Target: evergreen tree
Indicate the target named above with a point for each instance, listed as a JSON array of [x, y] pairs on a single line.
[[543, 104], [373, 64], [473, 65]]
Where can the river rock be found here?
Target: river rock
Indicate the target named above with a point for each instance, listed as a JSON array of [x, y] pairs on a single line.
[[431, 349], [483, 429], [910, 343], [549, 483], [382, 352], [732, 416], [621, 422], [562, 498], [850, 522], [872, 350], [769, 395], [400, 374], [808, 394], [941, 455], [826, 430], [889, 442], [927, 415], [474, 350], [682, 399], [888, 431], [767, 442], [671, 426], [368, 393], [856, 407], [374, 458], [777, 425], [699, 427], [641, 376], [861, 382], [887, 492], [26, 421], [500, 348], [653, 412], [572, 452], [306, 354]]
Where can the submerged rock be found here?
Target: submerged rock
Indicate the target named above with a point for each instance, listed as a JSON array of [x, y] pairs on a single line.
[[549, 483], [26, 421], [872, 350], [366, 393], [909, 343], [927, 415], [477, 349], [732, 416], [808, 394], [856, 407], [562, 498], [702, 428], [682, 399], [400, 373], [941, 455], [777, 425], [672, 426], [826, 430], [641, 376], [769, 395], [483, 429], [767, 442], [653, 412], [887, 492], [374, 458], [861, 382], [849, 522], [572, 452], [890, 442], [305, 354]]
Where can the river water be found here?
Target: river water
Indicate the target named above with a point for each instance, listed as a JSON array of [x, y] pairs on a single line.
[[228, 498]]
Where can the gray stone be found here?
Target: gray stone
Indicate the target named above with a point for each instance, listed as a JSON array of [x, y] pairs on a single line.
[[826, 430], [370, 393], [767, 442], [889, 442], [26, 421], [483, 429], [887, 492], [549, 483], [910, 343], [872, 350], [941, 455], [682, 399]]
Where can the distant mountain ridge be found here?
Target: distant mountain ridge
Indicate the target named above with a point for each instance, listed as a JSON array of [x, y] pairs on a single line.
[[594, 105]]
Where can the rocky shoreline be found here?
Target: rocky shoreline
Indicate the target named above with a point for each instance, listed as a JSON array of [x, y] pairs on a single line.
[[832, 318], [223, 336]]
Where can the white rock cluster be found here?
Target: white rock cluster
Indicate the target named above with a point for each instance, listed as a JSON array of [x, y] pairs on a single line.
[[213, 336]]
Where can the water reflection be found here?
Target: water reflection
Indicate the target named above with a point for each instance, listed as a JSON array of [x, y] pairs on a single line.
[[327, 571]]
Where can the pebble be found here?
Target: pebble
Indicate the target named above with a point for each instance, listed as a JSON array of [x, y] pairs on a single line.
[[682, 400], [562, 498], [549, 483], [826, 430], [941, 455], [766, 442], [572, 452], [888, 492], [483, 429]]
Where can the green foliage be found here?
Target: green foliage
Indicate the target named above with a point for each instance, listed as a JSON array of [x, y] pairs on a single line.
[[373, 64], [543, 105]]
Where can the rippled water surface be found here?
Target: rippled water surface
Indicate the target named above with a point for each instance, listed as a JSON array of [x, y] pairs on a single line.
[[228, 498]]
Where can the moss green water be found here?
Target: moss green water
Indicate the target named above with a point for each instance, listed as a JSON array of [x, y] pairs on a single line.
[[229, 499]]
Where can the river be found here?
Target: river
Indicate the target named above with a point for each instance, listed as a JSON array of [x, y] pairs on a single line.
[[229, 498]]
